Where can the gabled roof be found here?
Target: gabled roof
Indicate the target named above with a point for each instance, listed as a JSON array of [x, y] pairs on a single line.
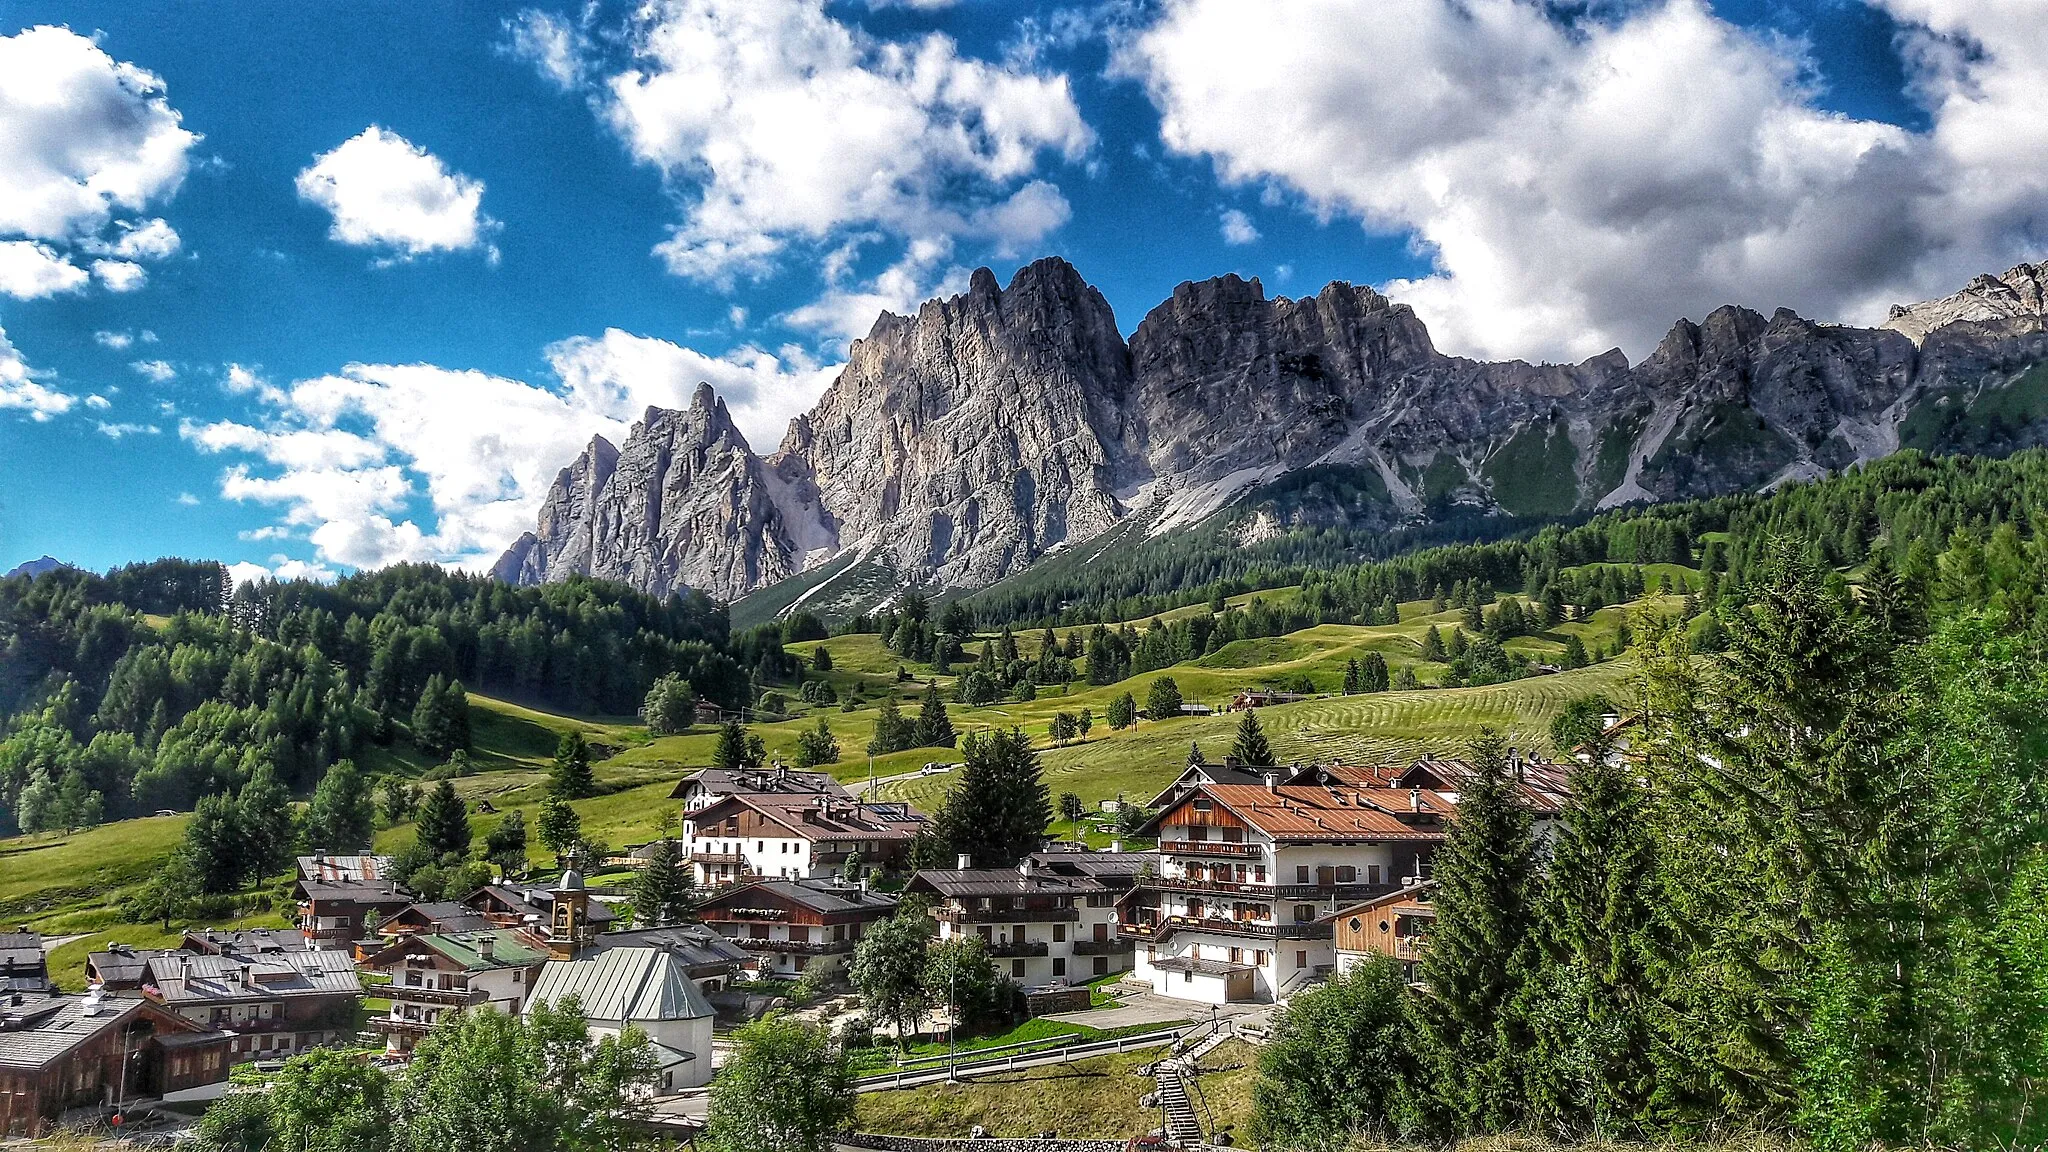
[[510, 948], [1543, 785], [695, 945], [23, 967], [625, 985], [1048, 873], [384, 893], [322, 866], [1322, 813], [529, 900], [40, 1029], [122, 967], [247, 941], [1419, 891], [826, 897], [821, 818], [445, 916], [179, 978]]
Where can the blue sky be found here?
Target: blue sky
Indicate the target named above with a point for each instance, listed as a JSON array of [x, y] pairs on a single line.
[[313, 286]]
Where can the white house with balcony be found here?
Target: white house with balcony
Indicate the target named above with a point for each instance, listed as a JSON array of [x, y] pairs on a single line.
[[750, 836], [1237, 904], [1050, 920]]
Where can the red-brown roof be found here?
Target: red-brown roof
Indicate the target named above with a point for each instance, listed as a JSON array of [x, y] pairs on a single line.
[[1326, 812]]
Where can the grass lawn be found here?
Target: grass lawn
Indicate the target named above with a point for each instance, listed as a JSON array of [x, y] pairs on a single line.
[[1095, 1098]]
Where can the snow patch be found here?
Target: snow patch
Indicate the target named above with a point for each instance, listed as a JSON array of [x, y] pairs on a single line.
[[1190, 506], [1662, 422]]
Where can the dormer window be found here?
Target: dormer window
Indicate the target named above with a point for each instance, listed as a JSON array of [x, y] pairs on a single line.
[[1202, 804]]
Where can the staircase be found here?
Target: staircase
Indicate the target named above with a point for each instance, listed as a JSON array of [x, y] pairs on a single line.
[[1181, 1125]]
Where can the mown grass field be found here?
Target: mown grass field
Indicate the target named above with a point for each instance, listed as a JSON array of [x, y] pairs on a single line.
[[1087, 1099], [73, 884]]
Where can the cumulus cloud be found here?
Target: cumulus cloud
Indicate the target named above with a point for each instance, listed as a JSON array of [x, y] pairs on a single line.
[[550, 44], [1578, 186], [775, 123], [1238, 227], [22, 391], [156, 371], [118, 341], [31, 270], [82, 136], [387, 193], [385, 462], [188, 500], [143, 240], [119, 275], [117, 431]]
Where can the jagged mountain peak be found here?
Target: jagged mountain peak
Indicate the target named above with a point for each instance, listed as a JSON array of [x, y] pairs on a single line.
[[965, 441]]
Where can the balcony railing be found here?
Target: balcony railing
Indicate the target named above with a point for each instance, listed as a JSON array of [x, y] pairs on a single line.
[[1006, 915], [717, 858], [1264, 929], [461, 998], [1110, 947], [1211, 848], [403, 1027], [1009, 948], [805, 947]]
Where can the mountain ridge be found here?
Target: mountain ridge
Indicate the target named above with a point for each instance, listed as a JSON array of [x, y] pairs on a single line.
[[962, 443]]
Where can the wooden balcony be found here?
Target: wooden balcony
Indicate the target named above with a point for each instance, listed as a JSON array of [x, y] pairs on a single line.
[[1236, 849], [1110, 947], [1006, 915], [1012, 948], [400, 1027], [794, 947], [460, 998]]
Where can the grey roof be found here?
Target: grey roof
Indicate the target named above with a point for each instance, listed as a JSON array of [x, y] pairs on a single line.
[[23, 967], [625, 985], [527, 900], [1199, 967], [696, 945], [123, 966], [181, 978], [356, 891], [324, 866], [42, 1028], [442, 916], [1054, 873], [824, 896]]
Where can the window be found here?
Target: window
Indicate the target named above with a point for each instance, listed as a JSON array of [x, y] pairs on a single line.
[[1059, 935], [1372, 874], [1301, 873], [1383, 925], [1102, 965], [1233, 835], [1017, 969], [1202, 804], [1059, 966], [1259, 957], [760, 845], [1356, 924], [1198, 833], [1258, 873], [1346, 874], [1303, 913], [1301, 958], [1237, 955], [1151, 953]]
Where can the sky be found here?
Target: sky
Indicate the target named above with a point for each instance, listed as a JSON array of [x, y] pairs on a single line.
[[308, 287]]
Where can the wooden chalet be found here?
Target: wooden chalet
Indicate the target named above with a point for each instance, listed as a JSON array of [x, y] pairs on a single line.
[[98, 1051], [788, 924]]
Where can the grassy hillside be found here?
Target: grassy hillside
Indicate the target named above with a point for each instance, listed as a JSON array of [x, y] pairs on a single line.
[[72, 885]]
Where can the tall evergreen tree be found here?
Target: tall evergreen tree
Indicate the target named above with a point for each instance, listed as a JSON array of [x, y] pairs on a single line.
[[1250, 746], [560, 828], [893, 731], [570, 777], [215, 844], [1354, 679], [263, 811], [1484, 949], [934, 728], [999, 811], [443, 825], [661, 889], [1162, 700]]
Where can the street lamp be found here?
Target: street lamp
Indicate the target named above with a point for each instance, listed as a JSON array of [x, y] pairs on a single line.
[[952, 1016]]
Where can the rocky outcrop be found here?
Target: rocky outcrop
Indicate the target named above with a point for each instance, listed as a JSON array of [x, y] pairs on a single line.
[[2021, 292], [963, 443]]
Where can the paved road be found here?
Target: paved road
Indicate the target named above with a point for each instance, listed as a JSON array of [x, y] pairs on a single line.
[[860, 787], [1147, 1008]]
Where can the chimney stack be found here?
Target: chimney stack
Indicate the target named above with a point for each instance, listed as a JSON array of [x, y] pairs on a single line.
[[1415, 799], [486, 945], [1272, 781], [1116, 845], [963, 862]]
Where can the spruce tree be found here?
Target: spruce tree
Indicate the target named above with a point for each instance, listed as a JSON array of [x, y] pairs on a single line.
[[1122, 712], [1373, 676], [893, 731], [1354, 681], [1433, 645], [340, 817], [569, 777], [263, 810], [934, 728], [443, 825], [1250, 747], [1162, 700], [731, 751], [661, 890], [433, 729], [1484, 949], [999, 811]]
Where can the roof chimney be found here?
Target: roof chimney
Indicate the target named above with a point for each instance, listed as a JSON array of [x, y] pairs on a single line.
[[1272, 781], [1415, 799], [486, 945], [1116, 845], [963, 862], [1024, 866]]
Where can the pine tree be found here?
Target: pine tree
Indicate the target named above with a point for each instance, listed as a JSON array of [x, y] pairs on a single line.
[[505, 846], [263, 811], [1433, 645], [443, 826], [934, 728], [1123, 712], [560, 828], [893, 732], [1575, 652], [569, 777], [999, 811], [661, 890], [731, 751], [215, 844], [1354, 683], [1373, 675], [440, 720], [1484, 947], [816, 746], [1250, 747]]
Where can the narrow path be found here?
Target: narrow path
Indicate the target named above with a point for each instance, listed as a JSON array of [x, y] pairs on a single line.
[[52, 943]]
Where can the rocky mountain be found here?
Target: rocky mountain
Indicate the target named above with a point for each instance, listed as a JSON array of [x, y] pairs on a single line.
[[960, 445]]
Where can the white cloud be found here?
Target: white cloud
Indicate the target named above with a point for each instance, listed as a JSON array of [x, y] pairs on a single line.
[[82, 136], [156, 371], [847, 310], [117, 431], [119, 275], [348, 457], [776, 124], [385, 192], [1579, 187], [188, 499], [1238, 228], [118, 341], [554, 48], [21, 391], [98, 403], [145, 240], [280, 568], [30, 270]]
